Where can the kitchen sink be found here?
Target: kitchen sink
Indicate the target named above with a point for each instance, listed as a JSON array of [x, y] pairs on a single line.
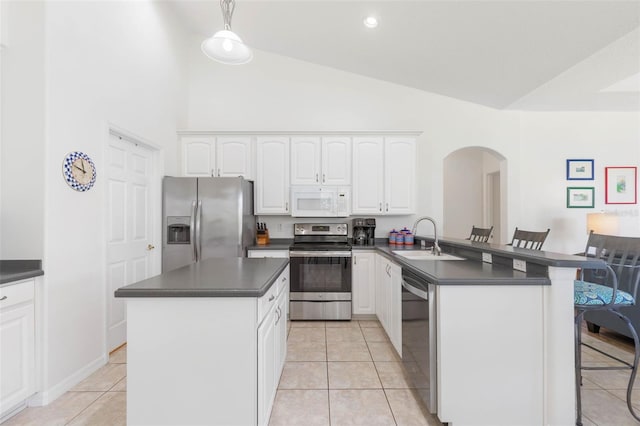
[[424, 255]]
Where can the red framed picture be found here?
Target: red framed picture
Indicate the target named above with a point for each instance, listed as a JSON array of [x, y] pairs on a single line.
[[621, 185]]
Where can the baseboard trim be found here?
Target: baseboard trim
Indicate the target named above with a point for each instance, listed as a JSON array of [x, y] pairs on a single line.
[[49, 395]]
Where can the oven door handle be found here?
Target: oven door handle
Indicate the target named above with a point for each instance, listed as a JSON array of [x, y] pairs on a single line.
[[296, 253]]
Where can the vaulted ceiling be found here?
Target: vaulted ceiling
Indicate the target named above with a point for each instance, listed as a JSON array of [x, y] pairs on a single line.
[[538, 55]]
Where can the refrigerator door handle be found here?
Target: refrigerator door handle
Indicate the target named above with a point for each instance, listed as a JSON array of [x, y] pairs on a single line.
[[199, 232], [192, 227]]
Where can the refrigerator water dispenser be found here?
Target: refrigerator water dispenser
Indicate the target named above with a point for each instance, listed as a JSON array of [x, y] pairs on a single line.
[[178, 230]]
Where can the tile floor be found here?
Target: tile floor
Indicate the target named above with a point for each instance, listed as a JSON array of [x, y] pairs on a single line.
[[337, 373]]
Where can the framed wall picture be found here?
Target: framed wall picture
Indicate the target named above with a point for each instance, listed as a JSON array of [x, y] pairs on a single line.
[[579, 169], [620, 185], [580, 198]]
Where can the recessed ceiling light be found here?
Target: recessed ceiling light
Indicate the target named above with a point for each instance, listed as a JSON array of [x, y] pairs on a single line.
[[370, 22]]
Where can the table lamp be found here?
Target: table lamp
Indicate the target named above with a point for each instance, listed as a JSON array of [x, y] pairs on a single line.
[[602, 223]]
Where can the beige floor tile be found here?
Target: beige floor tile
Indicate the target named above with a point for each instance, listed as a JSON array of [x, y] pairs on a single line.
[[304, 375], [370, 324], [383, 351], [375, 335], [109, 410], [367, 407], [348, 351], [300, 407], [353, 375], [306, 351], [408, 410], [59, 412], [588, 384], [622, 395], [604, 409], [307, 324], [103, 379], [307, 334], [342, 324], [392, 375], [353, 335], [608, 379], [587, 422], [121, 386], [119, 356]]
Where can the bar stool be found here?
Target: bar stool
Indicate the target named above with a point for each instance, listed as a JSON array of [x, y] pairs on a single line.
[[480, 235], [607, 289], [529, 239]]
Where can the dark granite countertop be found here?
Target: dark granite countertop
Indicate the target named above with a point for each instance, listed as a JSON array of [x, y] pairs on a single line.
[[217, 277], [17, 270], [274, 244]]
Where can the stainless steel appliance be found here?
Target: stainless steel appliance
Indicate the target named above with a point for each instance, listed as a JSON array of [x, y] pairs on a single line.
[[418, 336], [205, 217], [320, 272], [364, 231], [320, 201]]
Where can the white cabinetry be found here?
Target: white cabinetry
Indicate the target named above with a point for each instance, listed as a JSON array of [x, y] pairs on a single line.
[[272, 344], [272, 175], [222, 156], [320, 161], [363, 282], [389, 299], [268, 253], [390, 192], [17, 345]]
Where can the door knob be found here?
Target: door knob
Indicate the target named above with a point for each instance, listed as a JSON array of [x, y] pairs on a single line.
[[150, 247]]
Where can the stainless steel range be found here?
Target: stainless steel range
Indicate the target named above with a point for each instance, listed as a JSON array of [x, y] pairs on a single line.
[[320, 262]]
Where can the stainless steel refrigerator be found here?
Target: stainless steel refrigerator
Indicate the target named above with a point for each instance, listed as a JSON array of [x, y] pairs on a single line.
[[205, 217]]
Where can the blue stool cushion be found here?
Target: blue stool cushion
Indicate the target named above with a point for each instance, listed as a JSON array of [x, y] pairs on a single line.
[[586, 293]]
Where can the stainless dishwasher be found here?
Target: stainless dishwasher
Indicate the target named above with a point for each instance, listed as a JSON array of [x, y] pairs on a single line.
[[419, 336]]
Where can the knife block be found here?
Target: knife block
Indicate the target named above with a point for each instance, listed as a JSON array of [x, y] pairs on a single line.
[[262, 237]]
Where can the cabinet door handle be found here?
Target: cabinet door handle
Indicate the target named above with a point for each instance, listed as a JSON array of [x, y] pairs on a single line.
[[387, 206], [355, 260], [271, 298], [316, 177], [323, 178], [380, 206], [219, 173], [3, 297], [286, 206], [213, 172], [284, 279]]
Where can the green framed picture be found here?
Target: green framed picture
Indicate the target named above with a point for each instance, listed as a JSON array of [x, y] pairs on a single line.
[[580, 197]]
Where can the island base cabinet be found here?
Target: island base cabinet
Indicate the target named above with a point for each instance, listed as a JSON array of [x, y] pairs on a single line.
[[504, 349], [192, 361]]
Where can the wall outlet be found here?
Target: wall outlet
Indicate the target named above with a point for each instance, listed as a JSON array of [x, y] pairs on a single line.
[[279, 227], [486, 257], [519, 265]]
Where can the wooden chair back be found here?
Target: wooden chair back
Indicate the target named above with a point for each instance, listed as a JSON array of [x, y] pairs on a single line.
[[480, 235], [529, 239]]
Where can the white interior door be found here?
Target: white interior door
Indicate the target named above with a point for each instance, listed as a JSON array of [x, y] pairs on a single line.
[[130, 217]]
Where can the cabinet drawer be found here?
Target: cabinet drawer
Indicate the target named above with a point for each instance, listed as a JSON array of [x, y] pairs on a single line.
[[283, 280], [267, 302], [268, 253], [17, 293]]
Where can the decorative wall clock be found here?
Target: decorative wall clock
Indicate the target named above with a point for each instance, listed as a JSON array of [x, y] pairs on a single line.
[[79, 171]]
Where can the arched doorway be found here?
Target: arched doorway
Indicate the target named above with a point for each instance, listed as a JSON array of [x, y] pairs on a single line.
[[474, 192]]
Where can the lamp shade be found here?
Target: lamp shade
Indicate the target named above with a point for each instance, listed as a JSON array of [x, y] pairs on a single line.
[[602, 223], [226, 47]]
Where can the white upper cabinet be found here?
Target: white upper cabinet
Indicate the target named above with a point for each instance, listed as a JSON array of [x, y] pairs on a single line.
[[336, 160], [368, 181], [305, 160], [399, 175], [383, 175], [320, 161], [272, 175], [234, 156], [225, 156]]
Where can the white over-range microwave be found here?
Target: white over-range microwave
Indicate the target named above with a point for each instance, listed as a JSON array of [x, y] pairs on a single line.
[[320, 201]]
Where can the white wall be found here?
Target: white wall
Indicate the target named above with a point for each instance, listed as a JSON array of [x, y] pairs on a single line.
[[22, 137], [106, 63], [548, 140], [278, 93]]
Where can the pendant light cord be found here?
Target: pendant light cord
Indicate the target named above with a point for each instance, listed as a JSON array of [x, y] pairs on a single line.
[[227, 7]]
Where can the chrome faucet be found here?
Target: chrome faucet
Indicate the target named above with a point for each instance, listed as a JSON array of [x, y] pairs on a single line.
[[436, 247]]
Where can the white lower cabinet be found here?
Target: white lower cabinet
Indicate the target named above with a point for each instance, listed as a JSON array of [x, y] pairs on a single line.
[[17, 345], [363, 281], [389, 299], [272, 345], [268, 253]]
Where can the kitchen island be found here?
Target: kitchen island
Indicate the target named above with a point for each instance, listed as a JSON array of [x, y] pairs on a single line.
[[206, 343]]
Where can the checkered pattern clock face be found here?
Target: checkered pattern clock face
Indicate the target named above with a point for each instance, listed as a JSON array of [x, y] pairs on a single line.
[[79, 171]]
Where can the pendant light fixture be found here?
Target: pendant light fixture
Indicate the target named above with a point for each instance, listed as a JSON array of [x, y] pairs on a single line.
[[225, 46]]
